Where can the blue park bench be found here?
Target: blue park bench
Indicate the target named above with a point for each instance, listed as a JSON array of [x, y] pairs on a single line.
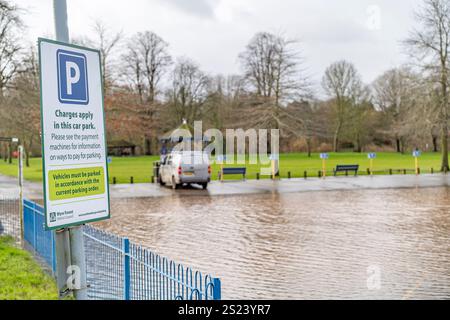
[[346, 169], [230, 171]]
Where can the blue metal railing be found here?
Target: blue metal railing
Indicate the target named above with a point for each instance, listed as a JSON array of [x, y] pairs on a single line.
[[120, 270]]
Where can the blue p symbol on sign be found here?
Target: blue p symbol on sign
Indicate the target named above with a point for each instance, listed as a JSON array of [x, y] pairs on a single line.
[[72, 77]]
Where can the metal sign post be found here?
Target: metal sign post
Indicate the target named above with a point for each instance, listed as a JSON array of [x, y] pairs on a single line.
[[68, 241], [324, 157], [20, 155], [416, 155], [275, 165], [75, 178], [371, 157]]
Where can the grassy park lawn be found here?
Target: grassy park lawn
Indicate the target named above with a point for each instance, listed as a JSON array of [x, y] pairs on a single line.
[[140, 168], [21, 278]]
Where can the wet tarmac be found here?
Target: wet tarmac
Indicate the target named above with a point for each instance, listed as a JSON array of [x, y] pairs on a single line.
[[33, 190]]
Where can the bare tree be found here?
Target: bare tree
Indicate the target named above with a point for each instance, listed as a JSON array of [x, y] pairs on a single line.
[[189, 92], [273, 68], [10, 26], [343, 84], [106, 41], [394, 94], [430, 46], [147, 60], [21, 109]]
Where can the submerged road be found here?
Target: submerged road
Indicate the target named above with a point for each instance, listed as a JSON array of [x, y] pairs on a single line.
[[33, 190]]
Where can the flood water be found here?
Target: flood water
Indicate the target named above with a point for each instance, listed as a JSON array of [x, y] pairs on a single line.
[[313, 245]]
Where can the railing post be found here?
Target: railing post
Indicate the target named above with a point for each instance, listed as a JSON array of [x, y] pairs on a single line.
[[126, 268], [53, 252], [217, 289], [34, 227]]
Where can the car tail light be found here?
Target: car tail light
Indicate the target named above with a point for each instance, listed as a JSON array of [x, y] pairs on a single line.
[[180, 171], [209, 169]]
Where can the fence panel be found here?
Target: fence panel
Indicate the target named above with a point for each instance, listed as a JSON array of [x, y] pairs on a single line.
[[120, 270], [104, 264], [41, 240], [10, 215]]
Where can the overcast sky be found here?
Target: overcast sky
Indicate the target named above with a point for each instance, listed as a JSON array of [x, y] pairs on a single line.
[[214, 32]]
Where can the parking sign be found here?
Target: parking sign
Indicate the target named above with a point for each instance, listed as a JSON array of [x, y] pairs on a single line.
[[72, 77], [75, 171]]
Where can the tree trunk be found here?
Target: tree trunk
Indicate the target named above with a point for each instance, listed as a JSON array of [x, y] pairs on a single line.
[[308, 146], [147, 146], [444, 116], [336, 138], [435, 143], [399, 145], [444, 166], [27, 158], [10, 153]]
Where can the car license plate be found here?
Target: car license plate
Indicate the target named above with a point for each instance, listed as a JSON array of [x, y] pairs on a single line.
[[189, 174]]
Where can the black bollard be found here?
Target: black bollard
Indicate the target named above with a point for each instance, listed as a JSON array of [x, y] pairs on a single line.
[[390, 172], [114, 180], [289, 175], [131, 180], [305, 174], [257, 176]]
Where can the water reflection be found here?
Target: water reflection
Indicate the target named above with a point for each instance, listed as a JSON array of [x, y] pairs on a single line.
[[306, 245]]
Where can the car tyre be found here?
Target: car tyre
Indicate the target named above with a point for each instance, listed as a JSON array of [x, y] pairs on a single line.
[[205, 185]]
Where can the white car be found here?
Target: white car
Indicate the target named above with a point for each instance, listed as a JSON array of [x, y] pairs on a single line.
[[185, 167]]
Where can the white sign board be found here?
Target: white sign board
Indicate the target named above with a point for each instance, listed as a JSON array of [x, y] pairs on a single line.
[[324, 156], [73, 135], [417, 153], [372, 155]]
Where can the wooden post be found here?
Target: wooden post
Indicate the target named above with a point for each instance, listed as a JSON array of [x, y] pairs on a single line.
[[417, 166]]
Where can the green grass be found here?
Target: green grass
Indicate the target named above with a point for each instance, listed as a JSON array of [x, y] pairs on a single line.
[[21, 278], [140, 168]]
